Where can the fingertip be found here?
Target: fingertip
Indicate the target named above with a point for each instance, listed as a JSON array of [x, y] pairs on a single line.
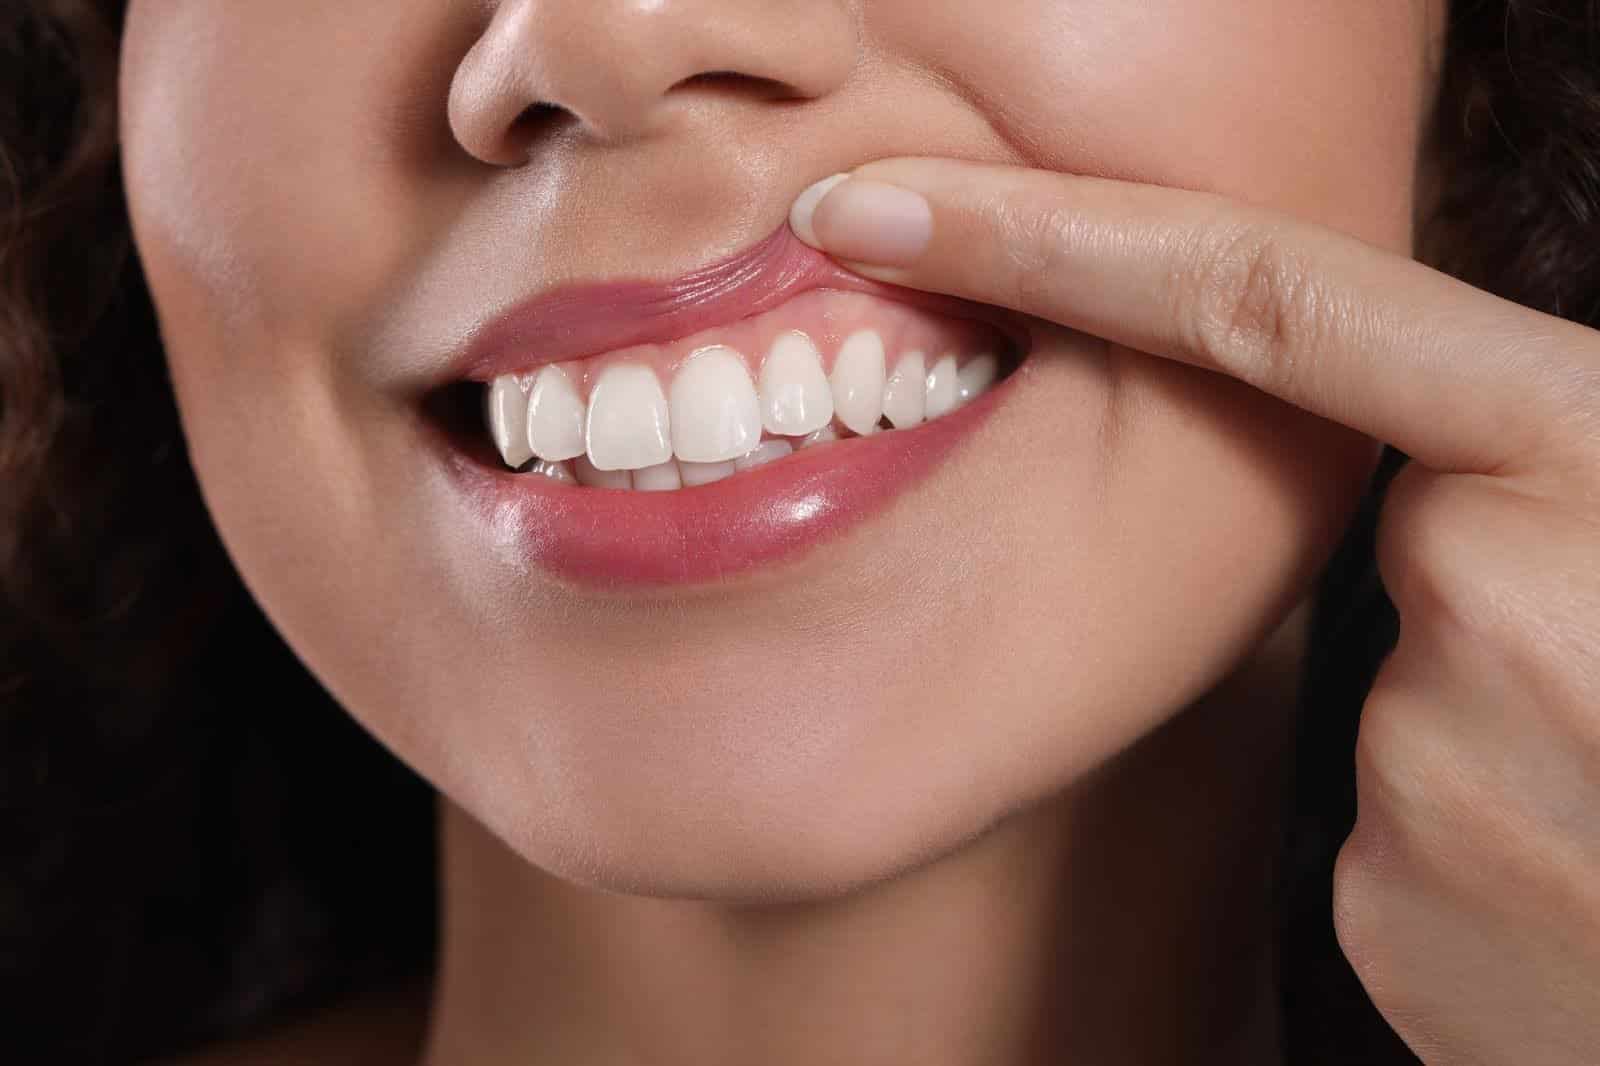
[[865, 220], [805, 205]]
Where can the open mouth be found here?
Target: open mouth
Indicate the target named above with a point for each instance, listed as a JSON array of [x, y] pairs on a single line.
[[694, 458], [826, 366]]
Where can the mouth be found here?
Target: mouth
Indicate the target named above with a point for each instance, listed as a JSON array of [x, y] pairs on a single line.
[[648, 434]]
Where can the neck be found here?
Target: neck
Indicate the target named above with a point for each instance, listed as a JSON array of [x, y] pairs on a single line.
[[1127, 920]]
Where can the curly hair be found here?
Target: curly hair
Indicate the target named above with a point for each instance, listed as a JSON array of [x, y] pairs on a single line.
[[196, 842]]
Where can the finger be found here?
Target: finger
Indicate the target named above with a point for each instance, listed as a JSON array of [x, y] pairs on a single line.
[[1458, 379]]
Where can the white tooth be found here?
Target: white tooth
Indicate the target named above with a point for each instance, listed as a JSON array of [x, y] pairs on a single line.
[[905, 396], [507, 407], [858, 381], [555, 416], [663, 477], [942, 385], [703, 473], [557, 471], [765, 452], [715, 413], [627, 428], [821, 436], [795, 395], [975, 378], [590, 475]]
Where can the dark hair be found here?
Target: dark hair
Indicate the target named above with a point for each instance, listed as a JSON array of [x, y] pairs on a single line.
[[196, 841]]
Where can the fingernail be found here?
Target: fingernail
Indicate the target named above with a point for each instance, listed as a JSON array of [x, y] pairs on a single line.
[[806, 203], [863, 220]]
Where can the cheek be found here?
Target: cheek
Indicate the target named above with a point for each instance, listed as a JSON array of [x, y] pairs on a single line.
[[259, 159], [1310, 107], [262, 222]]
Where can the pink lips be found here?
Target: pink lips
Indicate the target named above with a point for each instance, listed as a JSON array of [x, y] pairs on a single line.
[[582, 320], [620, 539]]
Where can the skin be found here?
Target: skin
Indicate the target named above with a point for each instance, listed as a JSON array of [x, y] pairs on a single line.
[[741, 816], [1465, 896]]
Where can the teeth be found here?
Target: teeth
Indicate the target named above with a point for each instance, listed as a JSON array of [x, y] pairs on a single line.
[[663, 477], [507, 405], [905, 396], [821, 436], [795, 395], [555, 416], [765, 452], [709, 423], [716, 415], [627, 426], [858, 379], [974, 378], [555, 471], [942, 385], [590, 475], [703, 473]]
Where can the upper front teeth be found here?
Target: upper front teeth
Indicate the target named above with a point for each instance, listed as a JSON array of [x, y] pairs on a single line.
[[905, 394], [628, 419], [716, 415], [796, 398], [941, 395], [857, 380], [712, 416], [506, 403], [555, 419]]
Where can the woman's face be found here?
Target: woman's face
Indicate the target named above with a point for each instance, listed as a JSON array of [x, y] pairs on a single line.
[[330, 200]]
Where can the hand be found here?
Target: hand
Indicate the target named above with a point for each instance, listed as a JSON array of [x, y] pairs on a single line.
[[1467, 898]]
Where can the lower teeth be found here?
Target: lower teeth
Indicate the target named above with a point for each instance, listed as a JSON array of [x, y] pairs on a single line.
[[674, 473]]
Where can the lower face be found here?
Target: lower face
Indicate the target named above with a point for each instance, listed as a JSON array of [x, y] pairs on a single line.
[[804, 674]]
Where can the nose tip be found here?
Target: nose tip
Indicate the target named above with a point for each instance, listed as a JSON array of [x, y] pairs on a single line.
[[616, 69]]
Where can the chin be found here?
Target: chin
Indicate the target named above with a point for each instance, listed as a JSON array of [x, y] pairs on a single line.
[[789, 819]]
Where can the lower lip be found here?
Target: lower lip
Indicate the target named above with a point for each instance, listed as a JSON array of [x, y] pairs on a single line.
[[611, 538]]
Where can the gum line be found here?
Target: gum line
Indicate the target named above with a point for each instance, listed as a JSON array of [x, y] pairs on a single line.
[[826, 316]]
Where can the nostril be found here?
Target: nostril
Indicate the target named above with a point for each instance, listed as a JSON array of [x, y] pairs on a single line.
[[731, 81], [539, 118]]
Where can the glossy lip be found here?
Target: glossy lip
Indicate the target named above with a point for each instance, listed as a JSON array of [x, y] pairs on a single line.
[[578, 321], [627, 540]]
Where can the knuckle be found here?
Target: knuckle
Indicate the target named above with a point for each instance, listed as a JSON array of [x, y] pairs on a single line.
[[1358, 907], [1446, 549], [1423, 549], [1249, 300], [1036, 239], [1410, 779], [1392, 760], [1567, 439]]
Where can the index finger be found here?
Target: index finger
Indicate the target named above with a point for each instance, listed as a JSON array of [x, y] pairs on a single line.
[[1455, 377]]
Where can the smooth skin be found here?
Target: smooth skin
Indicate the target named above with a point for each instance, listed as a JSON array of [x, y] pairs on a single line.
[[996, 778], [1468, 895]]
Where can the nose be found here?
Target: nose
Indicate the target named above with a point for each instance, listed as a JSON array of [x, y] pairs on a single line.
[[623, 70]]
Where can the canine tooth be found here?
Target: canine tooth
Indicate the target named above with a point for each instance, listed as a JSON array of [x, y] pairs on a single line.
[[592, 476], [858, 378], [703, 473], [555, 416], [821, 436], [627, 428], [975, 378], [507, 407], [555, 471], [942, 384], [715, 412], [905, 395], [663, 477], [764, 453], [795, 395]]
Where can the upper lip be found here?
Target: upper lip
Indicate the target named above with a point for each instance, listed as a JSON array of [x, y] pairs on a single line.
[[580, 320]]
